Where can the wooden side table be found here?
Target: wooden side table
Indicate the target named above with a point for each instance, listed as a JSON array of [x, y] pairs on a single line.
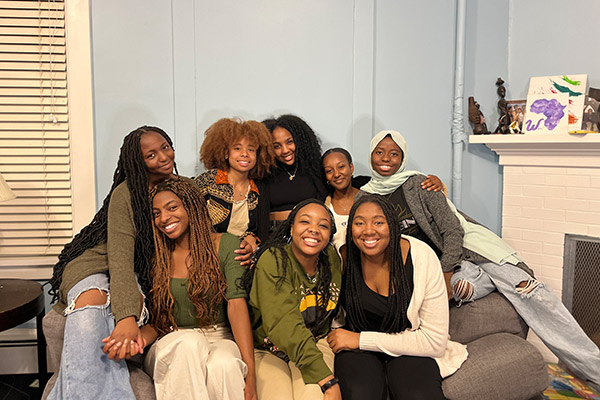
[[20, 301]]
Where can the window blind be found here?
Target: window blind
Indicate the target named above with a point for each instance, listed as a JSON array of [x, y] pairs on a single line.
[[34, 132]]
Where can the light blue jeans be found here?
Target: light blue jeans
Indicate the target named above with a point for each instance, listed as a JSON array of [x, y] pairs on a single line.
[[545, 314], [85, 371]]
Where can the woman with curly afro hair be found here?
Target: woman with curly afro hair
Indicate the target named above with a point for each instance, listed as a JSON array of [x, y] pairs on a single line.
[[236, 153], [298, 175]]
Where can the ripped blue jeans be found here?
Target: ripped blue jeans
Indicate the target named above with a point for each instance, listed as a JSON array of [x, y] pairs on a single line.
[[85, 371], [545, 314]]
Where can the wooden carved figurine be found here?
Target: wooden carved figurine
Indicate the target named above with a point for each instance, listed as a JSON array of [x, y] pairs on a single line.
[[476, 118], [503, 121]]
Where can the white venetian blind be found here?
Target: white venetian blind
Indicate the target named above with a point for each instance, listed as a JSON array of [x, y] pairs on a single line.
[[34, 132]]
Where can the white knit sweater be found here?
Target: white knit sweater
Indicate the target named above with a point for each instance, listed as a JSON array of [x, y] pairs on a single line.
[[428, 314]]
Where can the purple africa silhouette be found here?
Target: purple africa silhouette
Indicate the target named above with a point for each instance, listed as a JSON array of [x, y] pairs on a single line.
[[552, 110]]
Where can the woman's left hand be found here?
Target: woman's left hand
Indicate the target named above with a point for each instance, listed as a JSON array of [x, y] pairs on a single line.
[[432, 183], [248, 246], [250, 389], [244, 252], [341, 339]]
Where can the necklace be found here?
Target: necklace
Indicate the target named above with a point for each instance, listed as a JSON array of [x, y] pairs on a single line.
[[292, 176], [313, 279]]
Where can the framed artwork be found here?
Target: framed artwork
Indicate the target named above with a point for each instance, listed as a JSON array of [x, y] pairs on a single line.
[[516, 115], [572, 85], [546, 113], [591, 115]]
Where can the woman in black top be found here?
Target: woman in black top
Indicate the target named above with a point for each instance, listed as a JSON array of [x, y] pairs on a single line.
[[298, 173]]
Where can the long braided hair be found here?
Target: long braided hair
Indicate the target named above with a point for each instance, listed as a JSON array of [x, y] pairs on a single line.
[[400, 292], [130, 167], [276, 246], [308, 148], [207, 285]]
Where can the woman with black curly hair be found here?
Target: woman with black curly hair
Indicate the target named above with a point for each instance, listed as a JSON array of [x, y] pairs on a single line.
[[236, 153], [95, 281], [294, 290], [298, 175]]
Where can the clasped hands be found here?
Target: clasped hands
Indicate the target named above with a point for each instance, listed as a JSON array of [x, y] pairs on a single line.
[[125, 341]]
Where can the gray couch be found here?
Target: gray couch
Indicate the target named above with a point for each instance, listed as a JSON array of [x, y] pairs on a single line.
[[502, 365]]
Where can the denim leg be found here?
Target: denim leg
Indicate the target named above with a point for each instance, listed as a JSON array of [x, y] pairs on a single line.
[[549, 319], [85, 371], [479, 281]]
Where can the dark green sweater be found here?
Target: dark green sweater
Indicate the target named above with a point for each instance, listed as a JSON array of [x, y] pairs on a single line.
[[277, 313], [116, 255]]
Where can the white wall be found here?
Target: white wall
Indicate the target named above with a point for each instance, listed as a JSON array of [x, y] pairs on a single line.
[[548, 38], [485, 61], [348, 68]]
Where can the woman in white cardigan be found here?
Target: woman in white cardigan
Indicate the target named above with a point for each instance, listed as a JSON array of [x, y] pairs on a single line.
[[396, 334]]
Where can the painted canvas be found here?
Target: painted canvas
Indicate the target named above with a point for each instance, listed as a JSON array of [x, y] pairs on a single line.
[[573, 85], [546, 113]]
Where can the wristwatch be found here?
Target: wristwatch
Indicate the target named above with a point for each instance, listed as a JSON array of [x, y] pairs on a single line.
[[329, 383]]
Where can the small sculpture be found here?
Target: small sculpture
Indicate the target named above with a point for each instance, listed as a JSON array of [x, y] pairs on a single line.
[[503, 121], [476, 117]]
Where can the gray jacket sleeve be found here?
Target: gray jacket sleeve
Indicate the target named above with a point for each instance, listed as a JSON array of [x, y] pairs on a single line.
[[436, 220]]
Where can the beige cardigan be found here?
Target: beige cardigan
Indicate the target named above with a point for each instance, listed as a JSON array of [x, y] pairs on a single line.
[[429, 316]]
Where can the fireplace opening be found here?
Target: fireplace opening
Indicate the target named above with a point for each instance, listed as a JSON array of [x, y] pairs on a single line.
[[581, 282]]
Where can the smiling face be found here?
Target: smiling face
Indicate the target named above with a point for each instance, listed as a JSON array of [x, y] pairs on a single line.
[[284, 146], [338, 171], [370, 230], [311, 231], [170, 216], [386, 157], [158, 156], [242, 156]]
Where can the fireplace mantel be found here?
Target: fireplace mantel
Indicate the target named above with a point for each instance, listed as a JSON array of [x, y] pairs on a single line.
[[551, 187], [544, 150]]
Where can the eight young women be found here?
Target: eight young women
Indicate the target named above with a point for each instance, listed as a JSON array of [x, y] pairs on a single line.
[[396, 334], [196, 303]]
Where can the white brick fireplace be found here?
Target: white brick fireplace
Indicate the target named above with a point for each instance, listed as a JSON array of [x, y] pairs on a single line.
[[551, 187]]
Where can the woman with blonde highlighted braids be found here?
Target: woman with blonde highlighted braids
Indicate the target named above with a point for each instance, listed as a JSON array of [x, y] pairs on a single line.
[[194, 294], [236, 153]]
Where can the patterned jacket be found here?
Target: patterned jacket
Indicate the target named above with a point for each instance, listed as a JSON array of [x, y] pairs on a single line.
[[218, 193]]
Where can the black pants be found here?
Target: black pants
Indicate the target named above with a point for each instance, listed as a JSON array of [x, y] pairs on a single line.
[[366, 375]]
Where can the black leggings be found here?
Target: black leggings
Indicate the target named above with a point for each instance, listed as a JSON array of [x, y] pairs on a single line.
[[366, 375]]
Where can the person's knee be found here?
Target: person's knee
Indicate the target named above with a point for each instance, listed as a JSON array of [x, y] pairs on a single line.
[[463, 290], [226, 360], [92, 297], [527, 287]]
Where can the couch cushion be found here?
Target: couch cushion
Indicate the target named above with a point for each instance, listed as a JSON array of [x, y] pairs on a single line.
[[500, 366], [491, 314]]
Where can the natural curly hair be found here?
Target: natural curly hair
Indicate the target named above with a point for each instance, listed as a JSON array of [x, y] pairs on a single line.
[[207, 285], [228, 131], [308, 148]]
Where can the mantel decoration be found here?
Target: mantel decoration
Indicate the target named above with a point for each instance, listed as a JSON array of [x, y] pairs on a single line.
[[591, 112], [555, 104], [476, 117], [503, 120]]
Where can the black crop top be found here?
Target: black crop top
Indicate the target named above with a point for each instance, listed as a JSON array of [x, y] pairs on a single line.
[[285, 193]]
